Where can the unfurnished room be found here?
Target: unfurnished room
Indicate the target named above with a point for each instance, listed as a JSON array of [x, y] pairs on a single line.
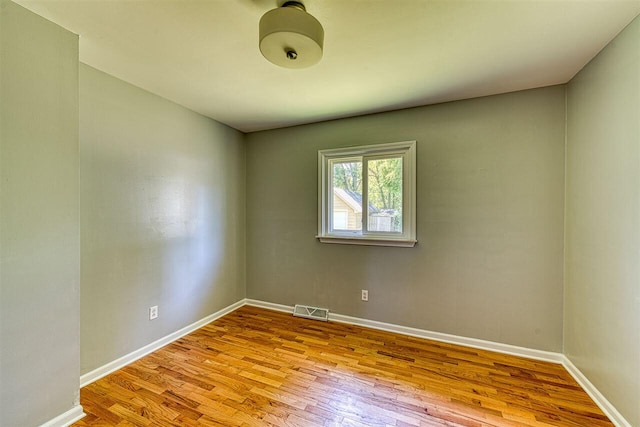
[[320, 213]]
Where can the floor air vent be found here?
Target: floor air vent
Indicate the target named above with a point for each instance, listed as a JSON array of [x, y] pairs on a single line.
[[311, 312]]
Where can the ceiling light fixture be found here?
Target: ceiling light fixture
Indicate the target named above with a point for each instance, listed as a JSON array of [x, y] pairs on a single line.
[[290, 37]]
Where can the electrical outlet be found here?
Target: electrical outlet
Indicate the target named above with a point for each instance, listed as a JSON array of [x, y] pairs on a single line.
[[365, 295], [153, 312]]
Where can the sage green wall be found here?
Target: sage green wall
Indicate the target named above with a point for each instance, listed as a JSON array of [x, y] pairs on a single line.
[[602, 295], [489, 262], [162, 217], [39, 219]]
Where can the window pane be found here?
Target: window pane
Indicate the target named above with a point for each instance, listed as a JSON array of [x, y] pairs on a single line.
[[385, 194], [347, 195]]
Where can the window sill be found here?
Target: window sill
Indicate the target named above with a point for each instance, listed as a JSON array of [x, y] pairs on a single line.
[[367, 241]]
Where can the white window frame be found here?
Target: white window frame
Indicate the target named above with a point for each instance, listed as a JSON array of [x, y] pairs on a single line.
[[407, 151]]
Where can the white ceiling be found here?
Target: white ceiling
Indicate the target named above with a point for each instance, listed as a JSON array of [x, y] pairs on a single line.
[[379, 55]]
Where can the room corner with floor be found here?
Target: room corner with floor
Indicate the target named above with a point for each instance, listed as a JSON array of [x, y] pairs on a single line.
[[115, 199]]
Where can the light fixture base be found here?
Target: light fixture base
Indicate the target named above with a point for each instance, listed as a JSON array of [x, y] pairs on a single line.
[[290, 37], [295, 4]]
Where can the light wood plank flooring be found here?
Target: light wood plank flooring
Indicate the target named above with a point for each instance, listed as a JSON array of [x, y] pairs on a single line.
[[256, 367]]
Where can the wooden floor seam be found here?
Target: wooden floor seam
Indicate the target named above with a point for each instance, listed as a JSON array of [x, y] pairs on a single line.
[[259, 367]]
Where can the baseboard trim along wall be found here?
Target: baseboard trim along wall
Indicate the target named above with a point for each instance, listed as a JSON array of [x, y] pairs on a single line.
[[513, 350], [123, 361], [529, 353], [606, 406], [71, 416]]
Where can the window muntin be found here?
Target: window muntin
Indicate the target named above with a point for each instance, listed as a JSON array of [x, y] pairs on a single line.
[[367, 195]]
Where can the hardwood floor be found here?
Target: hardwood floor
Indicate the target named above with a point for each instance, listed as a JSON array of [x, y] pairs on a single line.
[[256, 367]]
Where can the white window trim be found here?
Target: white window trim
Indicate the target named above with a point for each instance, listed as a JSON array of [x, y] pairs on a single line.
[[405, 239]]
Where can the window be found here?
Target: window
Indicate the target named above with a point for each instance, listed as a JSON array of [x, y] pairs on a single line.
[[367, 195]]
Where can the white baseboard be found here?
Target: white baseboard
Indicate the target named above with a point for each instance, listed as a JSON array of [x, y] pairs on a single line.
[[513, 350], [123, 361], [71, 416], [609, 410], [269, 305]]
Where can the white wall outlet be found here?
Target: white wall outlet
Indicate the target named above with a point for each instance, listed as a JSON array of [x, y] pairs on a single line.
[[153, 312], [365, 295]]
